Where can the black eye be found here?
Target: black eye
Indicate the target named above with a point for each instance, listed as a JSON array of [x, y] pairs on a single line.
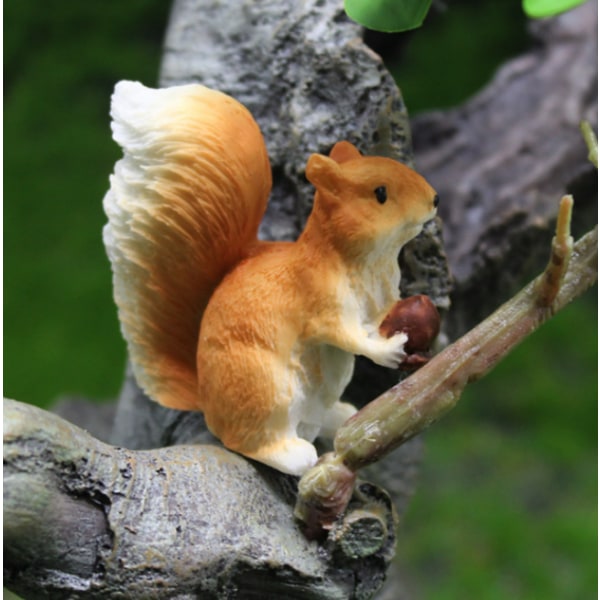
[[436, 201], [381, 194]]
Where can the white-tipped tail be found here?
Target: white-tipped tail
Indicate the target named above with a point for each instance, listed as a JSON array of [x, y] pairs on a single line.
[[184, 204]]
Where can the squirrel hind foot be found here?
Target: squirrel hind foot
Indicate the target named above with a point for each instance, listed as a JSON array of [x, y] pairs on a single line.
[[291, 455]]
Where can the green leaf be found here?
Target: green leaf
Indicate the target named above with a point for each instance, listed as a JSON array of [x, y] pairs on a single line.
[[539, 9], [388, 15]]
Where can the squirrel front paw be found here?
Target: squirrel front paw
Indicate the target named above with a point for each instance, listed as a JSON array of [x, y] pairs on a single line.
[[390, 352]]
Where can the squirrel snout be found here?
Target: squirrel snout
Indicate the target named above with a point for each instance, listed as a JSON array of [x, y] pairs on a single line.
[[436, 201]]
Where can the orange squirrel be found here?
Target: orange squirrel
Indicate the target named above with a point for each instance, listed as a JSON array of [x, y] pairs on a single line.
[[260, 336]]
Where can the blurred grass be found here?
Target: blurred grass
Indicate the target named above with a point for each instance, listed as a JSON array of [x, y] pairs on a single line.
[[507, 501]]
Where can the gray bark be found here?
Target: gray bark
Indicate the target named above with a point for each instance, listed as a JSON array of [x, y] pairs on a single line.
[[500, 164]]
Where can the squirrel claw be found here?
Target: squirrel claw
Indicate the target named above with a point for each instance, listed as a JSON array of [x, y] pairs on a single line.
[[392, 353]]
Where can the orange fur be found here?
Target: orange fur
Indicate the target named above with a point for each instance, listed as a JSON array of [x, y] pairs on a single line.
[[279, 323]]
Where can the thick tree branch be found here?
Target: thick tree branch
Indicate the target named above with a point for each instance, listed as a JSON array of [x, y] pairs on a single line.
[[83, 519]]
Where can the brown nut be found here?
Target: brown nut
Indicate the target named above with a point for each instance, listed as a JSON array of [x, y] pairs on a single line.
[[416, 316]]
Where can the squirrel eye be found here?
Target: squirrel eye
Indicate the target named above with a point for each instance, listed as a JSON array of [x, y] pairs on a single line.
[[381, 194]]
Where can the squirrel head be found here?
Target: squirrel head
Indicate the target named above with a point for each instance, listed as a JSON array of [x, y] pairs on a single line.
[[367, 200]]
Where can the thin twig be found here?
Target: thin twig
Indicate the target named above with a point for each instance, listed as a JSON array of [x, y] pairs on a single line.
[[560, 254]]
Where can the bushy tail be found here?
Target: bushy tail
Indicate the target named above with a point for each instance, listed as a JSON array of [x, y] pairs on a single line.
[[184, 205]]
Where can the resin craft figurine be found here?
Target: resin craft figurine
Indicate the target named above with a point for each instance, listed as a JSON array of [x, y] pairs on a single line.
[[259, 336]]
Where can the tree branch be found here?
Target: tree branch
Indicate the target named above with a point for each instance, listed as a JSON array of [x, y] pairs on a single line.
[[84, 519], [417, 402]]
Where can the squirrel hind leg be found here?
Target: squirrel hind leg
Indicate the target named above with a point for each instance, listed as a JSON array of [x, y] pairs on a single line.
[[291, 455], [335, 417]]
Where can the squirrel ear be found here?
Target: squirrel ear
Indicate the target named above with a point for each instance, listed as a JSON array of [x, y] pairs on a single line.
[[344, 151], [323, 172]]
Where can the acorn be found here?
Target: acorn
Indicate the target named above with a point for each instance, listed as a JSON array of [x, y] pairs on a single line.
[[418, 317]]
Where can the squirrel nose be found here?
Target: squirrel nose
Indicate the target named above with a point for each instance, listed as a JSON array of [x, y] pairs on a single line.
[[436, 201]]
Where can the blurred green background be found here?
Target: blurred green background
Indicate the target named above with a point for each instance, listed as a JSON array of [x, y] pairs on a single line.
[[507, 501]]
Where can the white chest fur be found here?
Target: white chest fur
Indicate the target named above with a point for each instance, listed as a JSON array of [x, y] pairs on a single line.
[[319, 373], [371, 289]]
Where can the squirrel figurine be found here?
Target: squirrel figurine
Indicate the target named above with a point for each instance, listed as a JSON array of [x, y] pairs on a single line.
[[259, 336]]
